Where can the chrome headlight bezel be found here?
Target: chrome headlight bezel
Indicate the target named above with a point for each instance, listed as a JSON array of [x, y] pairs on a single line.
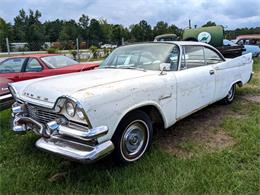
[[61, 105]]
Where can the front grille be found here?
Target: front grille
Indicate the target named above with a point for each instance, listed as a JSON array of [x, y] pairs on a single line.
[[41, 115]]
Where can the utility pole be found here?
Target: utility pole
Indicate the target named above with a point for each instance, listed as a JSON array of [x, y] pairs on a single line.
[[189, 24], [7, 46], [77, 43]]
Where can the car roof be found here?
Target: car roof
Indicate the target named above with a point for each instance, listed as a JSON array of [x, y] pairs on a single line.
[[35, 55], [180, 43], [252, 36]]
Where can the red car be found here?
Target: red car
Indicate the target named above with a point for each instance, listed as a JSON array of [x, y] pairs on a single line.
[[34, 66]]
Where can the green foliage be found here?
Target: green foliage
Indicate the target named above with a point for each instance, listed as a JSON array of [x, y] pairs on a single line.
[[232, 34], [141, 32], [74, 54], [94, 50], [160, 28], [28, 28], [209, 23], [52, 50], [5, 32]]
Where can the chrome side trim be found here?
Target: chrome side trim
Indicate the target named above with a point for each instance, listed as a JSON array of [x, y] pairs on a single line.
[[5, 96], [73, 150]]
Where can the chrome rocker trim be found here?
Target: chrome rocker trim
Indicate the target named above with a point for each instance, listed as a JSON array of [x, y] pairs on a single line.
[[64, 140]]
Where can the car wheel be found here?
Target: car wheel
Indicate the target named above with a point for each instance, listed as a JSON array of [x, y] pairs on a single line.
[[132, 137], [230, 96]]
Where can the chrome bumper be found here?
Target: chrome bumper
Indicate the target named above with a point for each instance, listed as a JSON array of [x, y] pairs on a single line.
[[63, 140], [74, 150]]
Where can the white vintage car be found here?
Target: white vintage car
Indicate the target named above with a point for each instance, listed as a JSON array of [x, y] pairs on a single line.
[[85, 116]]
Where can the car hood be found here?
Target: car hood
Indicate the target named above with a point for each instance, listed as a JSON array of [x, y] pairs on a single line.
[[78, 67], [48, 89]]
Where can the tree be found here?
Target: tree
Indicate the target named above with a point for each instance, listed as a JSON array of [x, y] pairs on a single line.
[[69, 33], [175, 30], [209, 23], [141, 31], [53, 29], [95, 33], [118, 32], [28, 28], [5, 32], [84, 27], [160, 28], [106, 31]]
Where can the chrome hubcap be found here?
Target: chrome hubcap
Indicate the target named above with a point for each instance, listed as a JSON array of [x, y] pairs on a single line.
[[134, 139]]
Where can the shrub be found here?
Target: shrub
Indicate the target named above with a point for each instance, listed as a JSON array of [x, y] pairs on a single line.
[[52, 50]]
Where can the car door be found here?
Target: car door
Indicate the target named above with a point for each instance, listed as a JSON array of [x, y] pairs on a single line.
[[11, 68], [195, 81], [214, 59], [32, 69]]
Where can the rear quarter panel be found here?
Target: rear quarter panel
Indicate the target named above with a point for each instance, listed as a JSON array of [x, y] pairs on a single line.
[[232, 71]]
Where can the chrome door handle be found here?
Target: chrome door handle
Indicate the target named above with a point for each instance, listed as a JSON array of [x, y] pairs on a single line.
[[211, 72]]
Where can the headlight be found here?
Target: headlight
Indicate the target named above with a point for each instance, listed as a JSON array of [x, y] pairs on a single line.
[[70, 109], [80, 114]]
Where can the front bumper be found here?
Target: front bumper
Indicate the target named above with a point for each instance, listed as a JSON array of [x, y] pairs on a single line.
[[63, 140]]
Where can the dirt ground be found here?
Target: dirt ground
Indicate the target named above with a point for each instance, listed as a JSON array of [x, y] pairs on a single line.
[[201, 131], [252, 98]]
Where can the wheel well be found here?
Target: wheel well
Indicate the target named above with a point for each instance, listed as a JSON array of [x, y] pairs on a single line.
[[154, 114], [239, 83]]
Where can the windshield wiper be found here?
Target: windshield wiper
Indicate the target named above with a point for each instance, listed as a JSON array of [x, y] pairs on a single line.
[[108, 67]]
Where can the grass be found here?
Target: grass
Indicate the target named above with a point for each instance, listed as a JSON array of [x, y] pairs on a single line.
[[233, 170]]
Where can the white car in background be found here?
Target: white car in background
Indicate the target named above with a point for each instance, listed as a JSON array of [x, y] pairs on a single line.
[[85, 116], [108, 46]]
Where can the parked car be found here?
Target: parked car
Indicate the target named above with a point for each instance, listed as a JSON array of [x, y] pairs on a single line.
[[253, 39], [6, 98], [86, 116], [251, 44], [108, 46], [34, 66]]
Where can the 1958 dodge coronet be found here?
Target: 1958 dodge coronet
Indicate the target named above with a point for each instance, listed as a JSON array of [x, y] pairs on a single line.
[[85, 116]]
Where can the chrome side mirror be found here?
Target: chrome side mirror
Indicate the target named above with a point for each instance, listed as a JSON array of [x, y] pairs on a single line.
[[164, 67]]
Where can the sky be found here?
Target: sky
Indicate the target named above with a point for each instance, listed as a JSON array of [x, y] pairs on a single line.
[[229, 13]]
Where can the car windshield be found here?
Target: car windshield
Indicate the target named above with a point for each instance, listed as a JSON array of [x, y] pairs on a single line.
[[58, 61], [146, 56]]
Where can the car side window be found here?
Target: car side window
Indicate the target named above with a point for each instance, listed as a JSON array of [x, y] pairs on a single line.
[[13, 65], [211, 57], [193, 56], [33, 65]]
